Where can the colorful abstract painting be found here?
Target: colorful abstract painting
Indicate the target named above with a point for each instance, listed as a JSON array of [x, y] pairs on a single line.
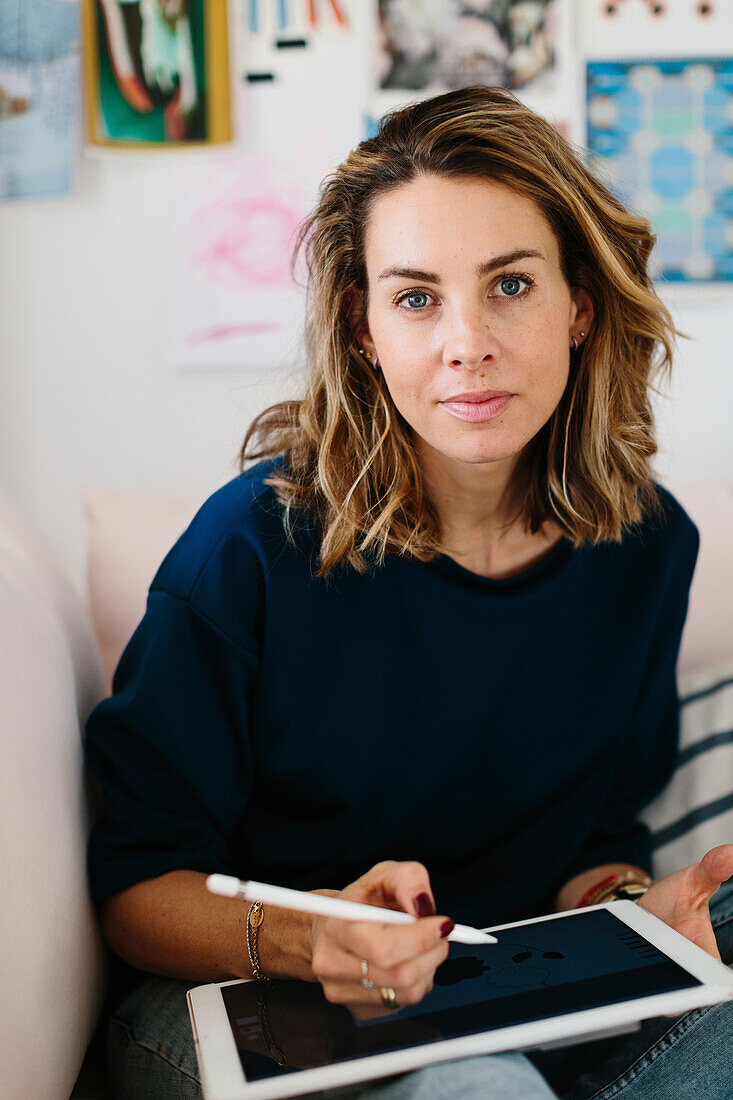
[[156, 72], [660, 133]]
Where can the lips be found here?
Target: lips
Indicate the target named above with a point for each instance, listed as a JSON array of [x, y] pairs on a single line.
[[476, 396], [477, 407]]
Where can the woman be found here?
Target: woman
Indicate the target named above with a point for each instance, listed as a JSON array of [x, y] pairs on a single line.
[[422, 654]]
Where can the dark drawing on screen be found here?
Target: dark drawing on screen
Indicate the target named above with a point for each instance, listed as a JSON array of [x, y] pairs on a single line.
[[531, 967]]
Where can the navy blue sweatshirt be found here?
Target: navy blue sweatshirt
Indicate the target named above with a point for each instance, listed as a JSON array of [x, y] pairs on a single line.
[[274, 725]]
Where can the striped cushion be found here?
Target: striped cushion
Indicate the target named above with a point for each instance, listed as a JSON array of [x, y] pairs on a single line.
[[695, 810]]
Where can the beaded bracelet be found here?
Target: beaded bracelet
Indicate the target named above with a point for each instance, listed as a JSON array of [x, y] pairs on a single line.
[[598, 891], [609, 884]]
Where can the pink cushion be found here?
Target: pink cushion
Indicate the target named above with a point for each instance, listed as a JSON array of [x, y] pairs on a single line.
[[128, 538]]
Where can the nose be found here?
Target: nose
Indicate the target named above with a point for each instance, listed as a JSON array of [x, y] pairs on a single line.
[[468, 342]]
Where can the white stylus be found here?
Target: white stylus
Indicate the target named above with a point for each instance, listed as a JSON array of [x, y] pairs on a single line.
[[281, 896]]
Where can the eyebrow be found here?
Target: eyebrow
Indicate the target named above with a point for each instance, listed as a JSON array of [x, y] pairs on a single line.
[[484, 268]]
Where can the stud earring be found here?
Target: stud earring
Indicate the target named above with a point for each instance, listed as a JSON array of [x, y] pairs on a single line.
[[368, 355]]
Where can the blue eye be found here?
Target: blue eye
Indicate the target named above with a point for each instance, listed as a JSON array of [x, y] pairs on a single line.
[[415, 294], [511, 279]]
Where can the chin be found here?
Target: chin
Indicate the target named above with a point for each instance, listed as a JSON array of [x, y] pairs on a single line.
[[482, 454], [476, 447], [485, 460]]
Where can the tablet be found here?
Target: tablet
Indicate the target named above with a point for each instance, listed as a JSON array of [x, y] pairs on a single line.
[[553, 981]]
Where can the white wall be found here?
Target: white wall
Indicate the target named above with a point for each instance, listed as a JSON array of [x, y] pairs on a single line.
[[86, 396]]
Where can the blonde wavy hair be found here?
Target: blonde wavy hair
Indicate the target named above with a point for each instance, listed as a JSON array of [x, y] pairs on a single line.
[[349, 457]]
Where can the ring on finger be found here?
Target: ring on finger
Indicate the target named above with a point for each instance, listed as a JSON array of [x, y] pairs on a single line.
[[366, 980], [389, 997]]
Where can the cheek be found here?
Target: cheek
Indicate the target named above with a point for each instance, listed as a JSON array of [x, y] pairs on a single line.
[[547, 380], [409, 399], [409, 384], [548, 366]]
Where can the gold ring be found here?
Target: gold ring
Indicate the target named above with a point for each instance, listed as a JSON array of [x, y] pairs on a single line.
[[389, 997]]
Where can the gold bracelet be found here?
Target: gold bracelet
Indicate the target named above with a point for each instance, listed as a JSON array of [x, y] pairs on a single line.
[[255, 916]]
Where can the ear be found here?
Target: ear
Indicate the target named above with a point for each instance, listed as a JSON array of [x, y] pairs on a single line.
[[353, 311], [581, 311]]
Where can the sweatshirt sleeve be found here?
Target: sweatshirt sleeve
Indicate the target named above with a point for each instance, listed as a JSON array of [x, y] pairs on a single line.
[[170, 748], [648, 756]]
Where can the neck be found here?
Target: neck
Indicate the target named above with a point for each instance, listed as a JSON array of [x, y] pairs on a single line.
[[476, 503]]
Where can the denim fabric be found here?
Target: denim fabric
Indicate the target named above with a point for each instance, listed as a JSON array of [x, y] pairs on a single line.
[[151, 1055]]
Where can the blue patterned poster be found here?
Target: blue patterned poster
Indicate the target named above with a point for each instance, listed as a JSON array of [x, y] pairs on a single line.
[[39, 96], [660, 133]]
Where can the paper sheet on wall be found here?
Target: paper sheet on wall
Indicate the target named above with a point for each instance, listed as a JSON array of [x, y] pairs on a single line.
[[235, 217], [300, 108], [427, 47], [39, 97], [642, 29]]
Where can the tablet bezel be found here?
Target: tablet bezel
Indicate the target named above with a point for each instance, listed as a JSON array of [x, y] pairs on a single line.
[[221, 1071]]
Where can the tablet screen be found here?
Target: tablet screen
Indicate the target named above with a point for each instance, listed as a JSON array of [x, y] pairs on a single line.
[[539, 970]]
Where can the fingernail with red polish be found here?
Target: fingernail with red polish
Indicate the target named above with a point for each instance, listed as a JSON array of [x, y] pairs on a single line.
[[446, 928], [423, 905]]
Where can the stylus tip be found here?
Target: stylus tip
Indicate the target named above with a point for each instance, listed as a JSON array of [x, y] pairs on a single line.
[[463, 933]]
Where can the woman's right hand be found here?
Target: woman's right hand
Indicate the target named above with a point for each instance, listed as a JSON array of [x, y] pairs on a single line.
[[403, 957]]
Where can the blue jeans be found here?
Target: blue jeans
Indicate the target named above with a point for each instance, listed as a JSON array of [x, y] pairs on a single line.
[[151, 1055]]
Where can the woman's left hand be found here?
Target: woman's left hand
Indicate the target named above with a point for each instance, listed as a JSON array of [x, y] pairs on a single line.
[[681, 900]]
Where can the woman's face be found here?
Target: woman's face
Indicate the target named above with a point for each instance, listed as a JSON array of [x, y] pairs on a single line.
[[466, 295]]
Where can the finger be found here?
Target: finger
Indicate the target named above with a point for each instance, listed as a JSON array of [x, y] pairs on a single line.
[[407, 974], [332, 963], [404, 886], [715, 867], [408, 884], [388, 945], [350, 993]]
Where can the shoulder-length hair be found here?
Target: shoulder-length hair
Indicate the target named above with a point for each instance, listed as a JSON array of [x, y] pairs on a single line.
[[351, 462]]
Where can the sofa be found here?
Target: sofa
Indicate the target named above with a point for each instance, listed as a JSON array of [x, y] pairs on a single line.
[[57, 653]]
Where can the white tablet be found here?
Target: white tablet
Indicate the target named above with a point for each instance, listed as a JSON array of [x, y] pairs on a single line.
[[557, 980]]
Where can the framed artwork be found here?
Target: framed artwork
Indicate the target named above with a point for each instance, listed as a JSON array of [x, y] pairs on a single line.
[[39, 97], [425, 49], [660, 134], [156, 73]]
